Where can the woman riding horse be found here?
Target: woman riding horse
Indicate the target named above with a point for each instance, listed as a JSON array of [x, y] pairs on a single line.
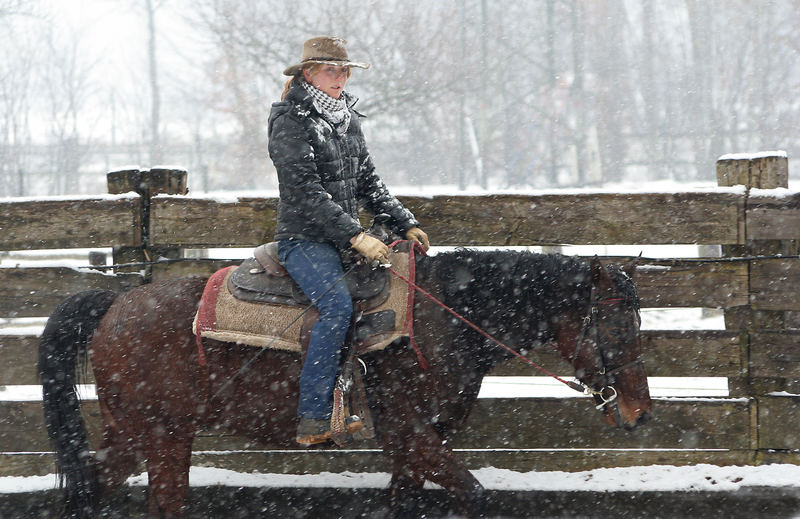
[[324, 171]]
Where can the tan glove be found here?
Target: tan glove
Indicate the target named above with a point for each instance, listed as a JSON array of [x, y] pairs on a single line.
[[371, 248], [418, 235]]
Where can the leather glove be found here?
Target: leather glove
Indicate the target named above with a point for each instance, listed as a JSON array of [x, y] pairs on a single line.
[[418, 235], [371, 248]]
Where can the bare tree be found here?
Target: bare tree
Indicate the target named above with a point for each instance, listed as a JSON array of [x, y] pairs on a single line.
[[68, 86], [17, 66], [547, 91], [155, 92], [16, 76]]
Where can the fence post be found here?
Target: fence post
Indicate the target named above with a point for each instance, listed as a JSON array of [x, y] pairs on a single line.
[[763, 170], [147, 183]]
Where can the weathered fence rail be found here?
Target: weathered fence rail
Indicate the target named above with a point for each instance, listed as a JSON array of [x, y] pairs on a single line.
[[758, 352]]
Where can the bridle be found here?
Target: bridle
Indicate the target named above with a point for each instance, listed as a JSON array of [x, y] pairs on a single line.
[[600, 384]]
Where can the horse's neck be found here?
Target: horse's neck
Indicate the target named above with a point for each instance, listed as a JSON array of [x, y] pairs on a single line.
[[530, 324]]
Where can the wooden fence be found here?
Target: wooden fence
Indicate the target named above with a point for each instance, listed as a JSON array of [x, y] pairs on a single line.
[[758, 352]]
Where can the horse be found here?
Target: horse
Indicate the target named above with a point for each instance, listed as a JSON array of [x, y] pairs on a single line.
[[154, 394]]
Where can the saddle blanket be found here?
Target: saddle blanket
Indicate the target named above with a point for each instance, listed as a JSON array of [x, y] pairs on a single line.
[[222, 317]]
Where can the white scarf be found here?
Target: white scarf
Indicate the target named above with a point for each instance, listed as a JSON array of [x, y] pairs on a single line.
[[334, 110]]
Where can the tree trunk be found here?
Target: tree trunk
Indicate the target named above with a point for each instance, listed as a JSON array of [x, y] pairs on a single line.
[[155, 94]]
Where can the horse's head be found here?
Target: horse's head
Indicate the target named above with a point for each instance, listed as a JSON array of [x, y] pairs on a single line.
[[608, 349]]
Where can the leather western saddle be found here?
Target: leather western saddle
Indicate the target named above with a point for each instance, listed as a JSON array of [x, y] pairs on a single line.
[[262, 279]]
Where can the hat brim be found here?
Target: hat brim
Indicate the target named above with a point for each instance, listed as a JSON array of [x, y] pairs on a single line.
[[294, 69]]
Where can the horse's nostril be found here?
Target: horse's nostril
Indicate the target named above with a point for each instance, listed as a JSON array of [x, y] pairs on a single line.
[[641, 420]]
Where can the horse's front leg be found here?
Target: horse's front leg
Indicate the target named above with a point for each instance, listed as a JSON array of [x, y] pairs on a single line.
[[419, 453], [405, 491]]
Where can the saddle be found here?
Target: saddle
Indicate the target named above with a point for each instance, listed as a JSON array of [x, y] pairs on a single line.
[[258, 304], [262, 279]]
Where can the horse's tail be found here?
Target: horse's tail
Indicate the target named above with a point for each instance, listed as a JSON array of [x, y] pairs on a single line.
[[62, 348]]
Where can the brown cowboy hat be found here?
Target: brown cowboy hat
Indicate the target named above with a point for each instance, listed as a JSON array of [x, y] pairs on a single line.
[[328, 50]]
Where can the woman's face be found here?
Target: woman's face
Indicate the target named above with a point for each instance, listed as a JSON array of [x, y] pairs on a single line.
[[328, 78]]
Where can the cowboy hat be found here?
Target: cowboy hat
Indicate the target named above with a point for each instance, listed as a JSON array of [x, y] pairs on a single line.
[[327, 50]]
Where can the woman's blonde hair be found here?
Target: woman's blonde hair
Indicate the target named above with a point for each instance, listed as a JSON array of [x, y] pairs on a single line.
[[312, 68]]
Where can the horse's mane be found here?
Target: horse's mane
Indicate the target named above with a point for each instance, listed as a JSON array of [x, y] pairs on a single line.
[[492, 287]]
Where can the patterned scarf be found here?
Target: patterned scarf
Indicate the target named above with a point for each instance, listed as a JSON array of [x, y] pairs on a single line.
[[334, 111]]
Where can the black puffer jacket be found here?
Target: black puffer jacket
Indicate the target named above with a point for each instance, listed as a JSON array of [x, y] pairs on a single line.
[[323, 176]]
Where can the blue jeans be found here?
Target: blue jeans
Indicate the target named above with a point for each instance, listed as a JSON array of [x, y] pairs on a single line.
[[316, 267]]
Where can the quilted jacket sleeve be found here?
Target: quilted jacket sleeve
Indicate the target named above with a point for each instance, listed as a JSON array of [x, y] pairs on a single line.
[[376, 198]]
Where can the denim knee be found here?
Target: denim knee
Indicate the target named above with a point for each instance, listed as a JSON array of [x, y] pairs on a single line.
[[338, 307]]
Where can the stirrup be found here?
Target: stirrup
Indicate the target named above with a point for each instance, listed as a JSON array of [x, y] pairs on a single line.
[[313, 432]]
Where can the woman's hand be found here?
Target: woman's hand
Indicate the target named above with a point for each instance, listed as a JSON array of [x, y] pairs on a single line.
[[371, 248], [418, 235]]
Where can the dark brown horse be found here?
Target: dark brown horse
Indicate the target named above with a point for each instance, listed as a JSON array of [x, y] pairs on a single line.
[[154, 395]]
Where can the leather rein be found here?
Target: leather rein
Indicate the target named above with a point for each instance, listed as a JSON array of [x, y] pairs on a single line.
[[589, 324]]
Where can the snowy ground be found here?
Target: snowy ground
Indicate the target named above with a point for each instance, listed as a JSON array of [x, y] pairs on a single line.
[[633, 479]]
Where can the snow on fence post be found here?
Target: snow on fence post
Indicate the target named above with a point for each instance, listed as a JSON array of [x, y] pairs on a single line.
[[147, 183], [763, 170]]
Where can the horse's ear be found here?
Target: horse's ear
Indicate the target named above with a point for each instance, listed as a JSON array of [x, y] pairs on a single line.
[[629, 268], [600, 277]]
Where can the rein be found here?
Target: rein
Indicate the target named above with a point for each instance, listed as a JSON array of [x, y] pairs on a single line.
[[577, 386]]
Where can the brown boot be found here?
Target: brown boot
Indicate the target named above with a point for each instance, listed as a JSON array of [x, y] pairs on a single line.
[[311, 431]]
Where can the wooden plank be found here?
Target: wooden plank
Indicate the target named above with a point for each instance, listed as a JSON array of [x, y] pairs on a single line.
[[768, 457], [692, 353], [200, 268], [574, 423], [770, 282], [523, 423], [373, 460], [71, 223], [667, 353], [315, 461], [18, 359], [775, 354], [591, 218], [692, 284], [526, 460], [597, 218], [196, 222], [22, 426], [773, 217], [26, 464], [663, 283], [35, 292], [669, 283], [777, 416]]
